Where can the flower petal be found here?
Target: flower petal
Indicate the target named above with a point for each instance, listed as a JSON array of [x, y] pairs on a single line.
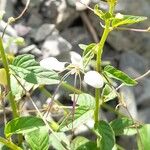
[[52, 63], [94, 79]]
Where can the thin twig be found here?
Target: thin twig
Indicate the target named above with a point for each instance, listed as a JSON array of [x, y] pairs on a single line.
[[137, 79], [89, 25], [132, 29], [11, 19]]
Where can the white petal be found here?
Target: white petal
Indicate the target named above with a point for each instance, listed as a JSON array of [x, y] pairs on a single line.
[[94, 79], [76, 59], [52, 63]]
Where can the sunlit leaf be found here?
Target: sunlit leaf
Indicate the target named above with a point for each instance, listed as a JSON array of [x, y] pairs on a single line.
[[59, 141], [3, 77], [82, 143], [1, 14], [108, 93], [82, 114], [143, 140], [98, 12], [38, 139], [27, 68], [84, 100], [112, 72], [121, 19], [106, 134], [119, 125], [23, 125]]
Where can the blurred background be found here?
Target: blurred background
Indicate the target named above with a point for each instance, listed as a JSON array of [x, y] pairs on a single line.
[[56, 27]]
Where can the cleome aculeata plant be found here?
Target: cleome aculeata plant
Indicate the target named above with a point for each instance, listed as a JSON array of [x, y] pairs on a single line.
[[22, 74]]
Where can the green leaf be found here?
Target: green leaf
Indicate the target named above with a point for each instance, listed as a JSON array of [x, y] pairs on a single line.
[[106, 134], [60, 142], [27, 68], [1, 14], [82, 114], [98, 12], [119, 125], [84, 100], [89, 52], [23, 125], [17, 89], [121, 19], [112, 72], [108, 93], [82, 143], [3, 77], [38, 139], [143, 140]]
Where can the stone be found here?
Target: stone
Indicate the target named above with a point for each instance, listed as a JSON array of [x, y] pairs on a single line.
[[31, 49], [35, 19], [10, 30], [144, 116], [130, 59], [21, 29], [44, 31], [144, 97], [55, 45], [76, 35], [129, 99]]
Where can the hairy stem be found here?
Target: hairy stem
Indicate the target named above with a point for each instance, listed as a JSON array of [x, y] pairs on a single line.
[[10, 95]]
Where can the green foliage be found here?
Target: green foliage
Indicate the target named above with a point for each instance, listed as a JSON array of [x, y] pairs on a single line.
[[82, 143], [38, 139], [121, 19], [60, 142], [84, 100], [112, 72], [143, 139], [25, 66], [106, 135], [119, 125], [108, 93], [23, 125], [82, 114]]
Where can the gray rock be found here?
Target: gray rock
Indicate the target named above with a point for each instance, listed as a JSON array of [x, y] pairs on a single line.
[[144, 115], [57, 12], [31, 49], [55, 45], [129, 99], [3, 5], [10, 31], [76, 35], [131, 59], [144, 98], [35, 19], [21, 29], [44, 31]]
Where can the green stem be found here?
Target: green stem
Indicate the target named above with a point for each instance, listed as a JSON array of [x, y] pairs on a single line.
[[9, 144], [98, 69], [6, 66]]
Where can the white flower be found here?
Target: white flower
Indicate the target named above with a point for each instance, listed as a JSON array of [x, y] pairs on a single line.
[[119, 16], [94, 79], [52, 63], [76, 59]]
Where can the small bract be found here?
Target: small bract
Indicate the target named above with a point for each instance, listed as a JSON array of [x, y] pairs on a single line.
[[94, 79], [52, 63]]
